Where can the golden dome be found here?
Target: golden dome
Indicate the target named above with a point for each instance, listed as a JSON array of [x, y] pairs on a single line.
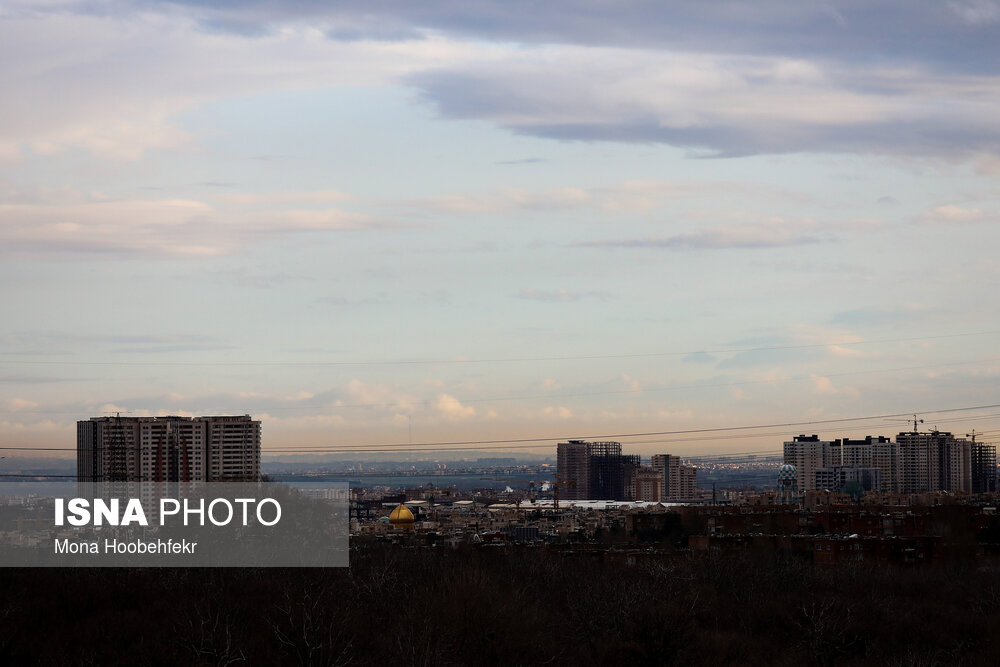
[[401, 516]]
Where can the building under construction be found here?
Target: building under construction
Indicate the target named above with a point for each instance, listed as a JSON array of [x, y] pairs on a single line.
[[984, 467], [594, 470]]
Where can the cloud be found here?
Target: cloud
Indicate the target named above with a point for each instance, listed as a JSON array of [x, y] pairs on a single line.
[[506, 199], [840, 351], [158, 227], [955, 214], [824, 386], [896, 29], [270, 198], [821, 384], [114, 83], [774, 358], [630, 383], [767, 235], [632, 195], [302, 422], [362, 393], [452, 409], [559, 295], [722, 104], [892, 77], [19, 405], [560, 411]]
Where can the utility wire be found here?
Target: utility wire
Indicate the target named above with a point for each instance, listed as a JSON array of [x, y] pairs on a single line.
[[536, 441]]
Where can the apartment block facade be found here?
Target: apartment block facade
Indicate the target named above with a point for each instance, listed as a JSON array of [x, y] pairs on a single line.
[[168, 449], [914, 463], [678, 480]]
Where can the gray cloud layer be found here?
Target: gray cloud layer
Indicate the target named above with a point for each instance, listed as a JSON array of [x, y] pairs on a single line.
[[899, 77], [960, 34]]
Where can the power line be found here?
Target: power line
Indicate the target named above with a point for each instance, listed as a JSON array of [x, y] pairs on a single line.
[[607, 436], [535, 442], [410, 362]]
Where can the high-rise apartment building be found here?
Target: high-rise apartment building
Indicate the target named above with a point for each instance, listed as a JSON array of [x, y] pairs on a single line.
[[870, 452], [984, 467], [107, 449], [687, 483], [573, 469], [678, 480], [168, 449], [594, 470], [232, 448], [885, 457], [808, 453], [914, 463], [935, 461]]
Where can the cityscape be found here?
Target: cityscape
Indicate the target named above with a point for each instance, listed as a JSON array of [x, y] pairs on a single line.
[[918, 497]]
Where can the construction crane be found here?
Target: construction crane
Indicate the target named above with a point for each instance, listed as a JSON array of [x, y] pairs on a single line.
[[916, 420]]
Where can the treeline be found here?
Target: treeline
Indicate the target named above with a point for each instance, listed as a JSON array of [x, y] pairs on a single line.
[[505, 606]]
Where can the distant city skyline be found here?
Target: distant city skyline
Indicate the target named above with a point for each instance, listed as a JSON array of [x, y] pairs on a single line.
[[395, 223]]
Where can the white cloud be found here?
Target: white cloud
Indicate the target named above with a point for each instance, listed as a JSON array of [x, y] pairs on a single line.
[[632, 195], [821, 384], [452, 409], [630, 383], [363, 393], [303, 422], [163, 228], [824, 386], [506, 199], [113, 85], [269, 198], [951, 214], [20, 404], [840, 351]]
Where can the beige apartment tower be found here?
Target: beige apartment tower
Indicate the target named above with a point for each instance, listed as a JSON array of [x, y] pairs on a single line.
[[676, 480]]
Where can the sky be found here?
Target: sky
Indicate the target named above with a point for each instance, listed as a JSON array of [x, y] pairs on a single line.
[[382, 223]]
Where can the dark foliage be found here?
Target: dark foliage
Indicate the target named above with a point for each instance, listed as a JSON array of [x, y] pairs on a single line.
[[505, 606]]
